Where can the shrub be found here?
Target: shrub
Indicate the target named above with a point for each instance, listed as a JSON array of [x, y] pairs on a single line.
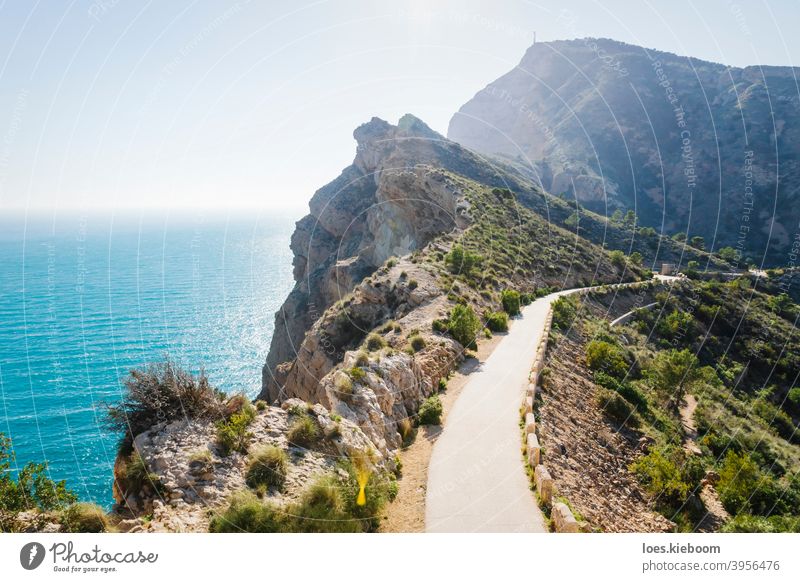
[[511, 301], [303, 432], [564, 311], [744, 523], [617, 258], [497, 321], [261, 405], [440, 326], [245, 513], [459, 260], [672, 372], [84, 518], [430, 412], [607, 357], [739, 477], [375, 342], [232, 434], [660, 472], [134, 474], [343, 385], [526, 298], [357, 374], [267, 467], [161, 393], [417, 343], [362, 359], [463, 325], [616, 407], [31, 489], [413, 284], [624, 389]]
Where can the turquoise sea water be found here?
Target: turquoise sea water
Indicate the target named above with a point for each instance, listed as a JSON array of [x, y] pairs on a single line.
[[84, 298]]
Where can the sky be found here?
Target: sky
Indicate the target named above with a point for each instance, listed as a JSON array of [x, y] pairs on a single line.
[[211, 104]]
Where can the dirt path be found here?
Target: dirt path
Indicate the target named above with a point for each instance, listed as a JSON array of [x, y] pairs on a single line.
[[687, 409]]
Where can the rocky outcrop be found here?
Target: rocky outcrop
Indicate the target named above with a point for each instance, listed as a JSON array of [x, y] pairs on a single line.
[[189, 475], [391, 201], [692, 145]]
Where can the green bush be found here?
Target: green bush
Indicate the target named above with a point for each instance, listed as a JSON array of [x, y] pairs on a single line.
[[245, 513], [31, 489], [745, 523], [303, 432], [660, 472], [743, 487], [267, 466], [497, 321], [624, 389], [511, 301], [84, 518], [617, 258], [413, 284], [672, 372], [232, 434], [606, 357], [564, 311], [417, 343], [430, 412], [464, 325], [526, 298], [616, 407], [375, 342], [459, 260], [357, 374]]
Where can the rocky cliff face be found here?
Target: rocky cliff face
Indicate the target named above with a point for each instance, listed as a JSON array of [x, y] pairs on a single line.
[[389, 202], [688, 144]]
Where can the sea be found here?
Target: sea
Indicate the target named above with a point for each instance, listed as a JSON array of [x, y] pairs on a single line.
[[87, 296]]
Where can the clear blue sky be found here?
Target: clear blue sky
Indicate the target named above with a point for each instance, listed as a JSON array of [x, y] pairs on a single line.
[[117, 103]]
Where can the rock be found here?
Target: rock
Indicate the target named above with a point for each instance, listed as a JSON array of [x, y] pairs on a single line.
[[563, 520], [544, 484]]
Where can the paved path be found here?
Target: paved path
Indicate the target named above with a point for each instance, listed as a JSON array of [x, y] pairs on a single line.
[[476, 478]]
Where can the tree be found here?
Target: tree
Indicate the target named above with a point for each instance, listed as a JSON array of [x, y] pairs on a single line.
[[617, 258], [511, 301], [460, 260], [630, 218], [673, 372], [679, 237], [648, 231], [636, 258], [698, 242], [617, 216], [464, 325], [727, 254], [606, 357]]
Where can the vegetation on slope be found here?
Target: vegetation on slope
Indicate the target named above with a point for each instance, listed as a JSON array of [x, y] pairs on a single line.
[[733, 348]]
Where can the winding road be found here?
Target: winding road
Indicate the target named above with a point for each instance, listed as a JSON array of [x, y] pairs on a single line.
[[476, 478]]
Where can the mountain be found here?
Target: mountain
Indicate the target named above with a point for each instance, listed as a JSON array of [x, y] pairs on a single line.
[[692, 146]]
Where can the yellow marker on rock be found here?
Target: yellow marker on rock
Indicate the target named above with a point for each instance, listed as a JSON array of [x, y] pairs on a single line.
[[363, 471]]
